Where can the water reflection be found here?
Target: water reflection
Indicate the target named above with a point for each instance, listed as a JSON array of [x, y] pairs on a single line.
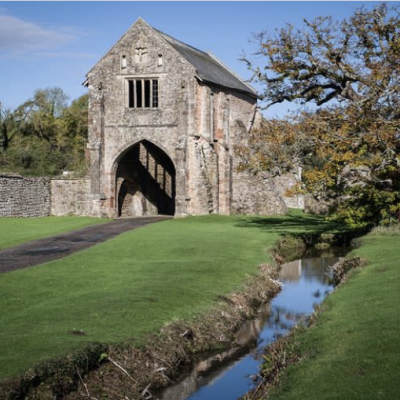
[[228, 375]]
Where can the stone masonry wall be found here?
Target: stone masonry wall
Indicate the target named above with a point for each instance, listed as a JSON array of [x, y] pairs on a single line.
[[256, 195], [285, 182], [71, 197], [24, 197], [114, 127]]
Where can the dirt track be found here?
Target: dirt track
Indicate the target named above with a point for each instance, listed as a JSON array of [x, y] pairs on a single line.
[[55, 247]]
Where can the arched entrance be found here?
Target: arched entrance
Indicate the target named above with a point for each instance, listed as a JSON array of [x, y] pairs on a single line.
[[145, 181]]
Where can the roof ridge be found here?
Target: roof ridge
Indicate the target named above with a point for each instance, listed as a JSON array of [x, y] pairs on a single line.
[[180, 41], [182, 47], [215, 58]]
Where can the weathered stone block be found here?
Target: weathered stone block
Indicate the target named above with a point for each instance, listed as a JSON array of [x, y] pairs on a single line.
[[24, 197]]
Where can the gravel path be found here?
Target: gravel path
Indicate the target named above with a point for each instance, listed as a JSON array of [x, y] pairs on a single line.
[[55, 247]]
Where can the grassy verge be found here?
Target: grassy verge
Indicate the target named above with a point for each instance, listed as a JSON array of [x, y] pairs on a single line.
[[132, 285], [14, 231], [352, 351]]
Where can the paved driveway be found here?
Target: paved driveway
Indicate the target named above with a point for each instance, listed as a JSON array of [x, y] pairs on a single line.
[[49, 249]]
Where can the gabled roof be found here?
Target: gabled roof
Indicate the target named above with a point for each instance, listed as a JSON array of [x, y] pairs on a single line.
[[208, 68]]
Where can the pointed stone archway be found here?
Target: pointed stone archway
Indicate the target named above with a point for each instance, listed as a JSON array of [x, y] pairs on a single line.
[[145, 181]]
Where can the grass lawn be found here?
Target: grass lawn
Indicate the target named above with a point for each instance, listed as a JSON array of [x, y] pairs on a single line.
[[133, 284], [14, 231], [353, 351]]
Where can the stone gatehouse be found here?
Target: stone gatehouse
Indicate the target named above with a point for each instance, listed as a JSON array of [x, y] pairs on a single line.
[[164, 118]]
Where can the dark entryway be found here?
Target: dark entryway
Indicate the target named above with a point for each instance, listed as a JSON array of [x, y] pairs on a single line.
[[145, 181]]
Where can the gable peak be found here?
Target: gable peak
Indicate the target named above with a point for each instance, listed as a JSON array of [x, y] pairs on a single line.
[[142, 21]]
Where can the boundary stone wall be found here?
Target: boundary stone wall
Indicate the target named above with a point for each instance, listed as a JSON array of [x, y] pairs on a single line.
[[285, 182], [256, 195], [71, 197], [40, 197], [24, 197]]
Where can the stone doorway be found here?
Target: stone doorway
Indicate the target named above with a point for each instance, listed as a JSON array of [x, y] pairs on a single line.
[[145, 182]]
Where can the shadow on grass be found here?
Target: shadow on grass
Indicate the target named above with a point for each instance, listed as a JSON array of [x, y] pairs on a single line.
[[309, 227]]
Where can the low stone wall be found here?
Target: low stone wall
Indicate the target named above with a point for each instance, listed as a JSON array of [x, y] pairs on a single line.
[[24, 197], [282, 184], [71, 197], [38, 197], [256, 195]]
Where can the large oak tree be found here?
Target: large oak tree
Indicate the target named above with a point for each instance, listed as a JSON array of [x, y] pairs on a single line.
[[349, 144]]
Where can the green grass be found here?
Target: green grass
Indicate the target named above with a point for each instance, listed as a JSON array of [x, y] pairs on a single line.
[[14, 231], [353, 351], [131, 285]]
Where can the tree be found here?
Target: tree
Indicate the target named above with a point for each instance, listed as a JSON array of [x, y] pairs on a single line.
[[42, 113], [76, 132], [7, 128], [48, 136], [349, 146], [356, 60]]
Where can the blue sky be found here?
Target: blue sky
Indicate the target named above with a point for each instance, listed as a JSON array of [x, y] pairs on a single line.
[[47, 44]]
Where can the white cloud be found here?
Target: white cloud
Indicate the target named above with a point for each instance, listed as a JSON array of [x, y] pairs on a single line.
[[17, 36]]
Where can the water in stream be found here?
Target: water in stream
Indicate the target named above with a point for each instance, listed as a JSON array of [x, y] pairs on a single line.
[[228, 375]]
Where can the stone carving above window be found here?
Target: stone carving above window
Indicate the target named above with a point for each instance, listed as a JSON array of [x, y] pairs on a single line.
[[140, 52], [141, 55]]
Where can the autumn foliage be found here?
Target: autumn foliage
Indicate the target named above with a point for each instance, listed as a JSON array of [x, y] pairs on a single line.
[[348, 143]]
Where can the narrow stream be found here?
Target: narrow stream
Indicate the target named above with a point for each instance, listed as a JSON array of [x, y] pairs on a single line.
[[229, 375]]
